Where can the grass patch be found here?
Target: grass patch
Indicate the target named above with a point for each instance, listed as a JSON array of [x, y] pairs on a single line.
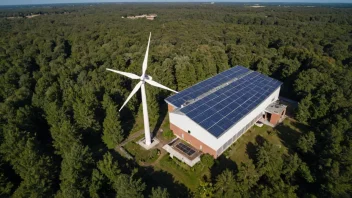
[[284, 136], [289, 132], [140, 154], [168, 135], [189, 176]]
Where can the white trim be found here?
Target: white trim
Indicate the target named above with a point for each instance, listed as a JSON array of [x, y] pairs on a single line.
[[171, 104]]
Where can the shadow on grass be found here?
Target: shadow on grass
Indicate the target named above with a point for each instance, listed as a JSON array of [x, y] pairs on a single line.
[[288, 135], [251, 151], [222, 163], [153, 179], [260, 140]]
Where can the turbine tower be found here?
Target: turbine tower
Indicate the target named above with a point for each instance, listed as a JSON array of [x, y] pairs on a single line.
[[143, 79]]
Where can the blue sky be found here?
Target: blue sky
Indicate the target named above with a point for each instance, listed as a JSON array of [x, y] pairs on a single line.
[[20, 2]]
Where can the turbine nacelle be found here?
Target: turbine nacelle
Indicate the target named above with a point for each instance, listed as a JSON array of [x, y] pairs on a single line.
[[146, 77]]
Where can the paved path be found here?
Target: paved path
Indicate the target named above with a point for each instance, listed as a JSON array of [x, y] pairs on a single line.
[[119, 148], [162, 153], [134, 136], [131, 137]]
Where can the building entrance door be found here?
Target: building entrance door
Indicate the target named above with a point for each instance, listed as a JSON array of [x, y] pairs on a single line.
[[268, 116]]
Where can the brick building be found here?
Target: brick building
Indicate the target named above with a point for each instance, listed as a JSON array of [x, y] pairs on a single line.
[[214, 113]]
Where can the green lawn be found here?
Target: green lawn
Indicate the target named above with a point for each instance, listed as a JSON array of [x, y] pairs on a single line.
[[182, 173], [244, 147], [140, 154], [284, 135]]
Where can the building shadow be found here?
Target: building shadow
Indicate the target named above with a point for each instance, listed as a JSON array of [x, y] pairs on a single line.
[[163, 179], [222, 163]]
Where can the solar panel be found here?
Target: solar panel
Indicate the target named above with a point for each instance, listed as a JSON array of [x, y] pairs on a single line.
[[186, 149], [223, 108], [206, 85]]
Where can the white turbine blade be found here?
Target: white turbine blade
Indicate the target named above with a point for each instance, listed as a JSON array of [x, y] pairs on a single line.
[[130, 75], [155, 84], [145, 62], [135, 89]]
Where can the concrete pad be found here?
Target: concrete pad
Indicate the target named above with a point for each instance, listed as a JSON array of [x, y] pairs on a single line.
[[141, 142]]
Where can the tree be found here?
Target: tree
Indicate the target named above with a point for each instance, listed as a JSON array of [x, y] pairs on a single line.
[[239, 55], [203, 62], [205, 189], [306, 142], [53, 84], [75, 179], [263, 65], [226, 185], [247, 177], [153, 105], [84, 109], [165, 73], [159, 193], [269, 160], [35, 169], [84, 115], [96, 184], [207, 160], [303, 109], [62, 130], [109, 167], [220, 58], [113, 132], [126, 186], [185, 73], [6, 186]]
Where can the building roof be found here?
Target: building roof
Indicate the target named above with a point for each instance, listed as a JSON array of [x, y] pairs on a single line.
[[275, 108], [217, 103]]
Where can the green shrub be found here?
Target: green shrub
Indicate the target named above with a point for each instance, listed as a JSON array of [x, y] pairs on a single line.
[[207, 160], [168, 135]]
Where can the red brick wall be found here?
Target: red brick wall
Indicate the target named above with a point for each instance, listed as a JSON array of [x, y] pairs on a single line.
[[192, 140], [170, 107], [275, 118]]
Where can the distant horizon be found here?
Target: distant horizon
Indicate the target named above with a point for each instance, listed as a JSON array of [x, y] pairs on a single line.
[[47, 2]]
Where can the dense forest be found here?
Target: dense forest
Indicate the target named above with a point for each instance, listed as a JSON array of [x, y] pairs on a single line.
[[59, 107]]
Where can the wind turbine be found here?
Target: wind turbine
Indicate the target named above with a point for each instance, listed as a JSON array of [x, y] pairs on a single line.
[[143, 79]]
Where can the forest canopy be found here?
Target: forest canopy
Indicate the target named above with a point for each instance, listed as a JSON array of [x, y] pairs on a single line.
[[59, 107]]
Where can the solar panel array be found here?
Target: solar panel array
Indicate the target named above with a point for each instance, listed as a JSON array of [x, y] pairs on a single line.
[[206, 85], [220, 110], [186, 149]]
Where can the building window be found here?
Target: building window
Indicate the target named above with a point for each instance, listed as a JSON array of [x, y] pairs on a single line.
[[183, 136], [201, 147], [238, 135]]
